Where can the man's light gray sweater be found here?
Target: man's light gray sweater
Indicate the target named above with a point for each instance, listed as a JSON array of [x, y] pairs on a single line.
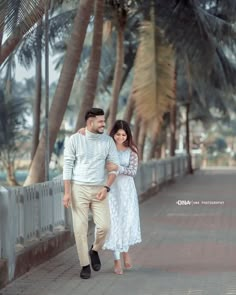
[[85, 157]]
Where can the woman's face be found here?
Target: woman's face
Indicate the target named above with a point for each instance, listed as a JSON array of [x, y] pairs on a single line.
[[120, 136]]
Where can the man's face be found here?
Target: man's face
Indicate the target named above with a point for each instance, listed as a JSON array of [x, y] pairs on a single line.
[[98, 124]]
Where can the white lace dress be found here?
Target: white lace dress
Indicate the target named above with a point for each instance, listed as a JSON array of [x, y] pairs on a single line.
[[124, 207]]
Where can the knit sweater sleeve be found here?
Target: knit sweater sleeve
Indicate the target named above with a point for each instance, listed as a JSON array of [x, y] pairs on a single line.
[[69, 159]]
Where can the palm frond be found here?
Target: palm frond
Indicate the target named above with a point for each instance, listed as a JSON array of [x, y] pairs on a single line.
[[206, 106], [219, 28], [218, 78], [15, 12], [23, 14], [153, 75], [11, 120], [59, 27], [193, 29], [225, 9]]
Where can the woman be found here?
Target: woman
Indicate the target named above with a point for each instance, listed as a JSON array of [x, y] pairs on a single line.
[[123, 199]]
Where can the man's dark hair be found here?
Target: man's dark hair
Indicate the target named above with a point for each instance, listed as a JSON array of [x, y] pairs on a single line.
[[93, 112]]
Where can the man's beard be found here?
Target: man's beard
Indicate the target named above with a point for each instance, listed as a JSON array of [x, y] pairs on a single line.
[[98, 132]]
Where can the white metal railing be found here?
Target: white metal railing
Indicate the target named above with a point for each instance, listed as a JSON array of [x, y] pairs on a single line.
[[29, 213], [39, 210]]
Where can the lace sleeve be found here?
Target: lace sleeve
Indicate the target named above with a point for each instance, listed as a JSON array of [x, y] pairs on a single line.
[[131, 170]]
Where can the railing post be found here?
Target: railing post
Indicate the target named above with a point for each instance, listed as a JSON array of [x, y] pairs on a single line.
[[172, 165], [21, 213], [8, 229], [154, 174], [50, 190], [179, 166], [39, 229], [165, 171]]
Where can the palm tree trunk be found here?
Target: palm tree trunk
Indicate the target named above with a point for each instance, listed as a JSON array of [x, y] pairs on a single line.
[[141, 140], [153, 148], [8, 164], [94, 64], [107, 113], [190, 169], [11, 180], [129, 63], [163, 150], [158, 152], [173, 113], [136, 129], [188, 104], [117, 76], [154, 143], [62, 94], [13, 41], [129, 59], [173, 130], [38, 91], [46, 105], [129, 108]]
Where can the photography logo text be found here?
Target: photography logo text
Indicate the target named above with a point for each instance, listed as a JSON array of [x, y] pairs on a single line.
[[192, 202]]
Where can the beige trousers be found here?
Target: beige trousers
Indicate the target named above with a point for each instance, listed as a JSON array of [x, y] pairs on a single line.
[[83, 198]]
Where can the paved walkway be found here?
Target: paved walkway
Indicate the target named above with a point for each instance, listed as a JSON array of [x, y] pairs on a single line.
[[186, 248]]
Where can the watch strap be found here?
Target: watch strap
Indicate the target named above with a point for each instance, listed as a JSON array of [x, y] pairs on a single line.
[[107, 187]]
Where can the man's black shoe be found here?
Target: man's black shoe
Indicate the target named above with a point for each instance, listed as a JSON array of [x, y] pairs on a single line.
[[85, 272], [95, 260]]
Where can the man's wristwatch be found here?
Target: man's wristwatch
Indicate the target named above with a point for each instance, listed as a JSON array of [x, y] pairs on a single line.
[[107, 188]]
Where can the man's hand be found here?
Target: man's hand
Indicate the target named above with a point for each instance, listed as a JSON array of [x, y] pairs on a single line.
[[111, 167], [67, 200], [102, 194], [81, 131]]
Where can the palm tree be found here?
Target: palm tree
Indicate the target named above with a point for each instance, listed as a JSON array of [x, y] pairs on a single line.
[[62, 94], [213, 22], [141, 139], [136, 128], [173, 119], [27, 13], [121, 22], [154, 74], [94, 64], [129, 108], [154, 131], [130, 45], [38, 89], [200, 31], [30, 51], [203, 40], [12, 131], [30, 12], [122, 15]]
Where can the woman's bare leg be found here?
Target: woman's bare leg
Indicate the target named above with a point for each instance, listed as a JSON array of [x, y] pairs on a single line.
[[127, 260], [117, 263]]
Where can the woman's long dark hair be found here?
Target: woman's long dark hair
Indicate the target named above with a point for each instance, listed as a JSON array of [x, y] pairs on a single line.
[[120, 124]]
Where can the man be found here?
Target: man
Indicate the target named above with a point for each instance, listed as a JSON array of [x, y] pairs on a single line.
[[85, 187]]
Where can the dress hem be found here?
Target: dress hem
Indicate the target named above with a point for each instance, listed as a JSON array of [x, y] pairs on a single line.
[[120, 249]]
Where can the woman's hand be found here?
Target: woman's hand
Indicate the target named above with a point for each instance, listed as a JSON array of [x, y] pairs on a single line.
[[81, 131]]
